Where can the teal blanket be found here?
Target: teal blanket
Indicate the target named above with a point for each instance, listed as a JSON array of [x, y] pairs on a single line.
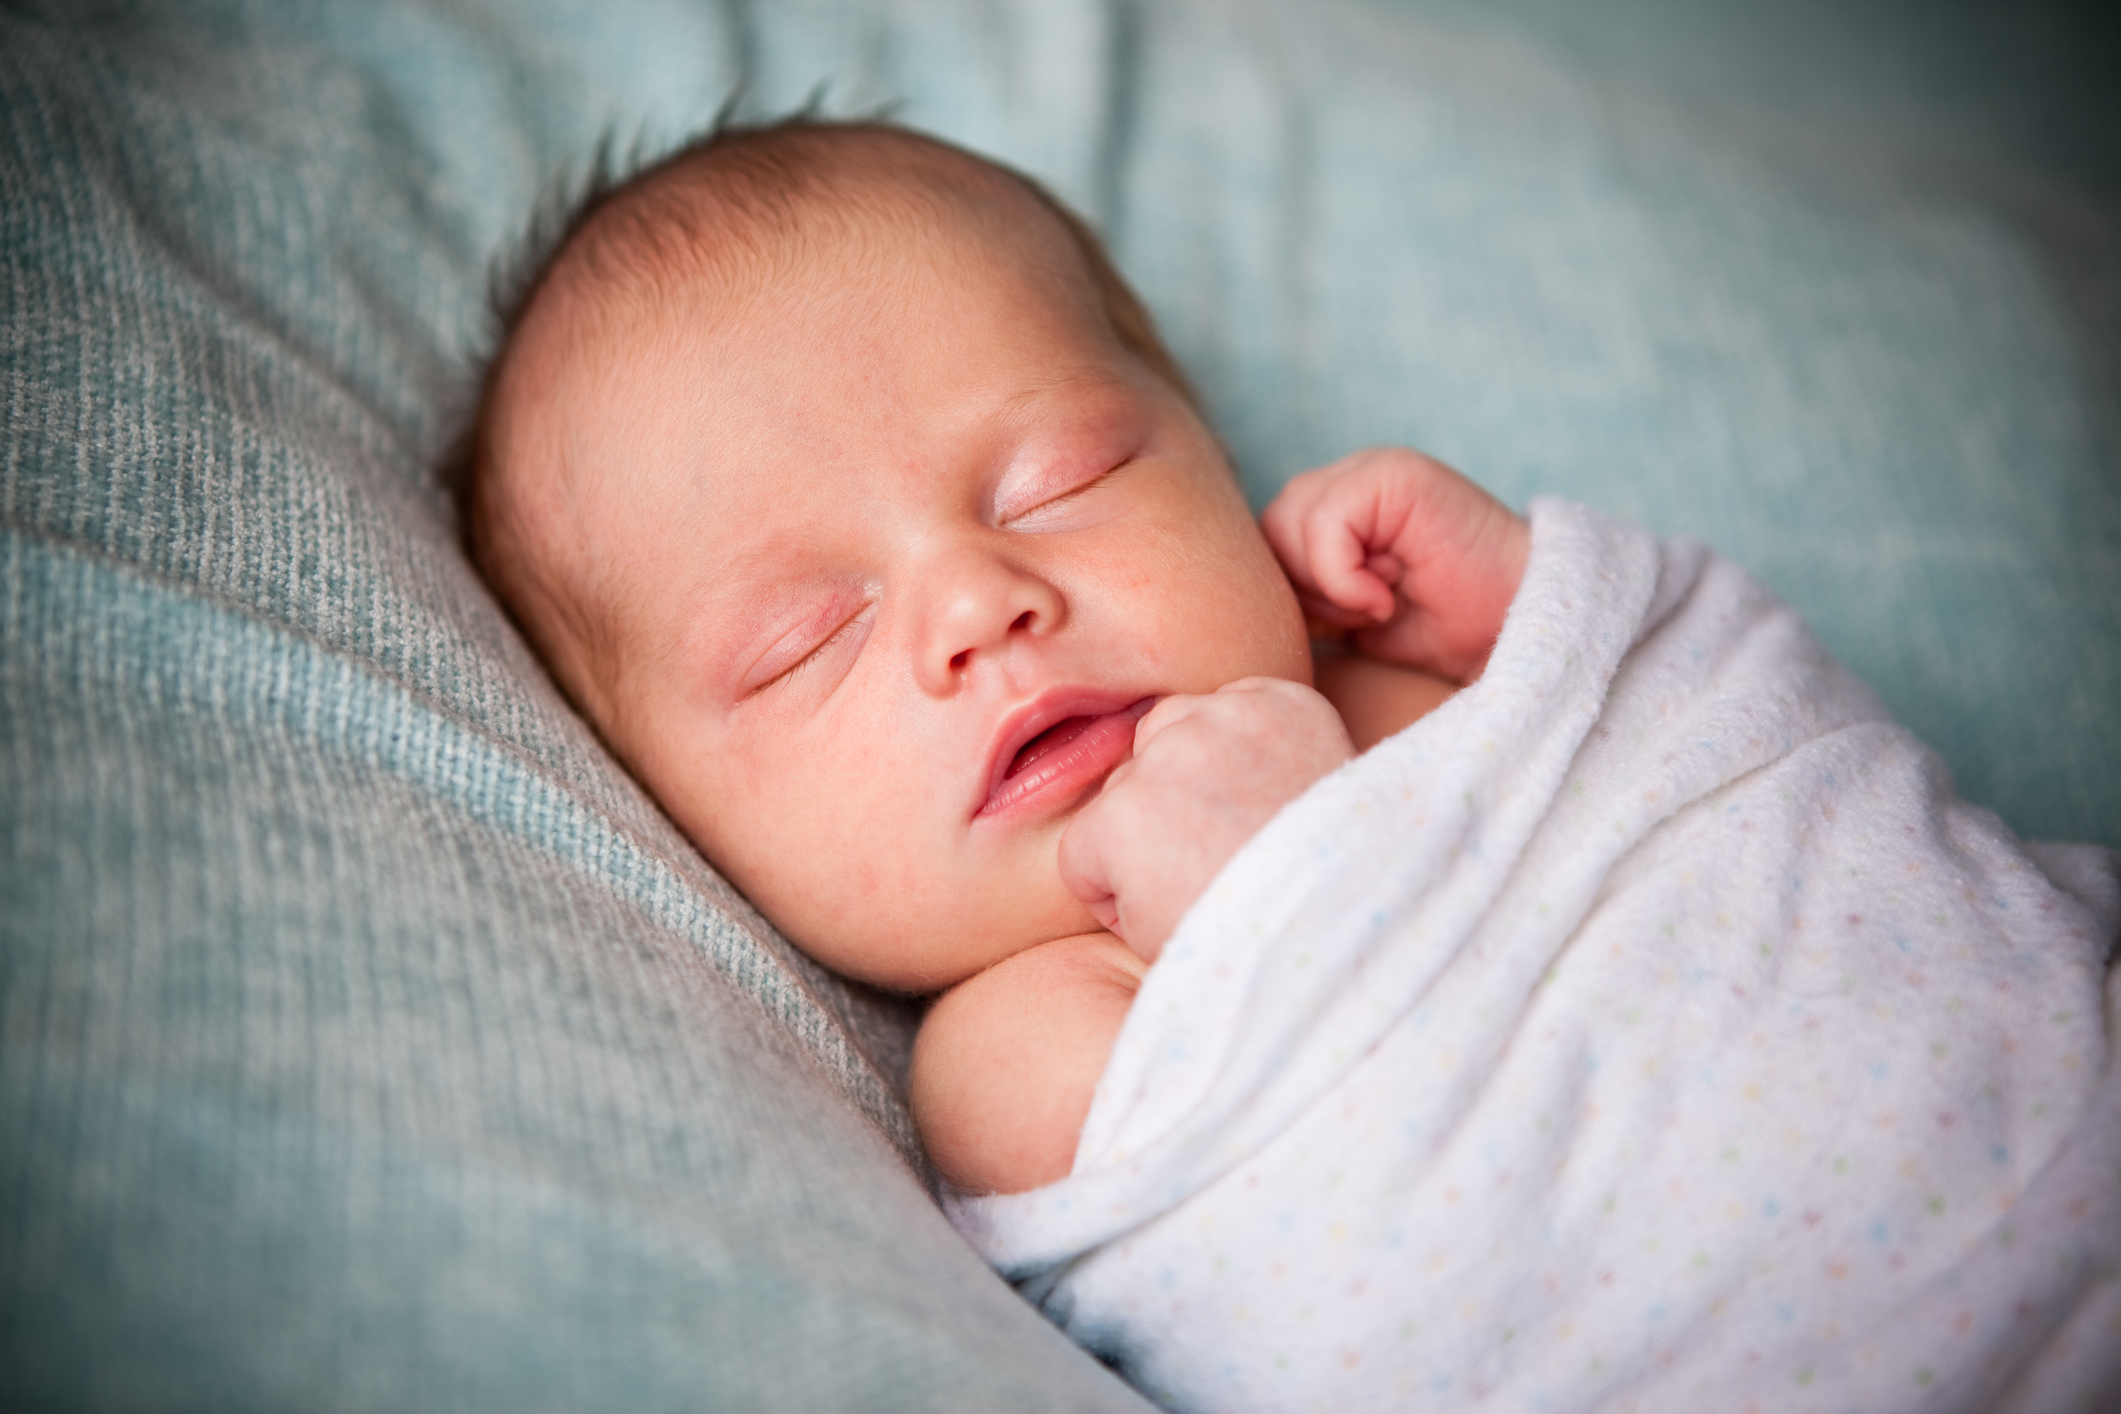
[[368, 1039]]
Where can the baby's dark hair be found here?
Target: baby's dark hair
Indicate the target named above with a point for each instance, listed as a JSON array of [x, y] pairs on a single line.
[[772, 163]]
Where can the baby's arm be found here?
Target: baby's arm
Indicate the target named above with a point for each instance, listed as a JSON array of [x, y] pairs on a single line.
[[1007, 1061], [1417, 563]]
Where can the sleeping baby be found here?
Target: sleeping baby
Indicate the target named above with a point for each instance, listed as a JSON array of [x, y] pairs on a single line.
[[1571, 991]]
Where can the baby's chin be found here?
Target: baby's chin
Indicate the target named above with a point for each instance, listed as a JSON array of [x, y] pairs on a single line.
[[920, 966], [913, 931]]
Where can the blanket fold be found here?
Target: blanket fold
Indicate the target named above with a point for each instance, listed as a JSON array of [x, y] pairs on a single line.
[[1650, 1023]]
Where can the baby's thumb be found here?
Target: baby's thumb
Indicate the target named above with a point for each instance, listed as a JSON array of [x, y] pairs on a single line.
[[1082, 867]]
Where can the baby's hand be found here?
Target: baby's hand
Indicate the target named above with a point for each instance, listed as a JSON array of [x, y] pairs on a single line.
[[1418, 562], [1207, 773]]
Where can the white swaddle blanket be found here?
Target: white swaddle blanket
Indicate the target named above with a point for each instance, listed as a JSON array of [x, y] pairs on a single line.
[[1650, 1027]]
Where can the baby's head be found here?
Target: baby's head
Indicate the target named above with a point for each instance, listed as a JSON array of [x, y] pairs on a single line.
[[849, 493]]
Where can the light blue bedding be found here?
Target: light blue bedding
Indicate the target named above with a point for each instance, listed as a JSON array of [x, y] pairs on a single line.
[[367, 1039]]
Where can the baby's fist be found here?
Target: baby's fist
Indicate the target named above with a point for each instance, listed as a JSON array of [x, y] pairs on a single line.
[[1411, 558], [1207, 773]]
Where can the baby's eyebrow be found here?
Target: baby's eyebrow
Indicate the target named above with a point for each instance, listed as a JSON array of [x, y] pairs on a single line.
[[1092, 383]]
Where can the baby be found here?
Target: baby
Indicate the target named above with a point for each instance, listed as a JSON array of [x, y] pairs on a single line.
[[851, 495], [848, 492]]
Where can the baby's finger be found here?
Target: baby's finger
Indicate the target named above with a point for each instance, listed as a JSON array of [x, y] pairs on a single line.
[[1086, 846], [1082, 862], [1283, 519], [1106, 912], [1167, 712], [1339, 563], [1286, 522]]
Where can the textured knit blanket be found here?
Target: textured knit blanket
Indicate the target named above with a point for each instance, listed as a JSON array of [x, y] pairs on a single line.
[[1650, 1027]]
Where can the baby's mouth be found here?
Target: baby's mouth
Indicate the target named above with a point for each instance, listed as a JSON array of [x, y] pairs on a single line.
[[1067, 759], [1052, 739]]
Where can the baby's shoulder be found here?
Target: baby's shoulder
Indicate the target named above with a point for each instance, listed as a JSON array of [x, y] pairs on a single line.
[[1007, 1061]]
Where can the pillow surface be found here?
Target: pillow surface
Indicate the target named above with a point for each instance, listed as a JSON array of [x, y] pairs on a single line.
[[367, 1038]]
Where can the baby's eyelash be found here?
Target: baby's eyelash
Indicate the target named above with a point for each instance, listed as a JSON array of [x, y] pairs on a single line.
[[1092, 484], [1074, 491], [794, 670]]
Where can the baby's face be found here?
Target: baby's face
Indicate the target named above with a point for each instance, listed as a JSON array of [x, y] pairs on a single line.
[[883, 553]]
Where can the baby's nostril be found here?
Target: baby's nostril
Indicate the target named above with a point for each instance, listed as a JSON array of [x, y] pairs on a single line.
[[958, 660], [1023, 620]]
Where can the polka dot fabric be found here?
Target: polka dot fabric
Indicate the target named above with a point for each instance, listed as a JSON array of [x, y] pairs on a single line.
[[1649, 1028]]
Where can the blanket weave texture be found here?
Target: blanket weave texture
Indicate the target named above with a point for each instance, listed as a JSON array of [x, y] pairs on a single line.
[[1649, 1027]]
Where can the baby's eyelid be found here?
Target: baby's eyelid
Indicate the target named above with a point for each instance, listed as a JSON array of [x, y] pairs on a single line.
[[795, 669], [1041, 500], [815, 652]]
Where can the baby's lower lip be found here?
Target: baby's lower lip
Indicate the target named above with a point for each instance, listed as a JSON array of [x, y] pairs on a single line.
[[1065, 761]]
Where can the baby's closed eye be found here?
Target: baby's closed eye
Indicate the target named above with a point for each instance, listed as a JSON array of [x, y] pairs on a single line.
[[837, 626], [1050, 513], [837, 638], [1079, 444]]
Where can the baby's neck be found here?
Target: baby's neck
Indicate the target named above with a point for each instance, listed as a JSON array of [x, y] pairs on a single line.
[[1375, 699]]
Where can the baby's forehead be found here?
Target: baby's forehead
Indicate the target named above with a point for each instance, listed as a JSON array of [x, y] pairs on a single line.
[[765, 210]]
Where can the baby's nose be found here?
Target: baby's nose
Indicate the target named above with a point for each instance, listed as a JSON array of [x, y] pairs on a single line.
[[982, 605], [1024, 623]]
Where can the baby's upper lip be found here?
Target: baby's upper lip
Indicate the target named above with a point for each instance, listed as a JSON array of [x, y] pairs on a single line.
[[1049, 709]]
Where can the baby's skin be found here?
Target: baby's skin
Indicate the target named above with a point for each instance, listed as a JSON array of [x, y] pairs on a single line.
[[850, 498]]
